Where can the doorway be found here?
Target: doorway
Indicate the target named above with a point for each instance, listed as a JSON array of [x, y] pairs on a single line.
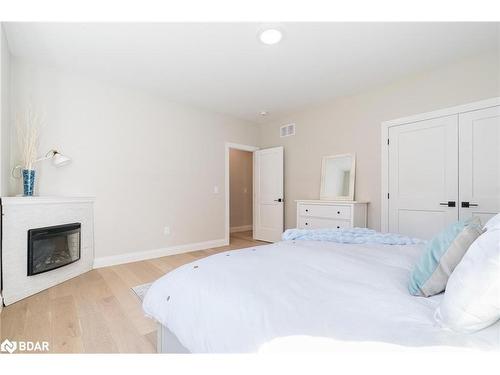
[[239, 192], [267, 193]]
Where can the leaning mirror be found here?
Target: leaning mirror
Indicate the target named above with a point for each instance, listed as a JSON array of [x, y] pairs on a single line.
[[337, 177]]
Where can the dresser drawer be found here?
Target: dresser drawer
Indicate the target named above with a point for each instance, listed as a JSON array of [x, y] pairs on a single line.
[[306, 222], [326, 211]]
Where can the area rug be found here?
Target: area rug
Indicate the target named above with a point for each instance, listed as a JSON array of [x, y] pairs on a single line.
[[141, 290]]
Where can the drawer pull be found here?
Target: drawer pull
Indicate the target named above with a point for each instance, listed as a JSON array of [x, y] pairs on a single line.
[[307, 210], [338, 227], [338, 212], [307, 223]]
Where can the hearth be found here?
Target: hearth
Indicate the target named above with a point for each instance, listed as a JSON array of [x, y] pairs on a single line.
[[53, 247], [37, 251]]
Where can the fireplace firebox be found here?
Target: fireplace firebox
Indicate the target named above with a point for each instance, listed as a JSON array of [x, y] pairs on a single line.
[[53, 247]]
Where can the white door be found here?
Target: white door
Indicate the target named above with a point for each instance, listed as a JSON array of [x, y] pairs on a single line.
[[479, 160], [268, 194], [423, 176]]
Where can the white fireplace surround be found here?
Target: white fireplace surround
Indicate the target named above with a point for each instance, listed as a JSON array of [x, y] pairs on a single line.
[[23, 213]]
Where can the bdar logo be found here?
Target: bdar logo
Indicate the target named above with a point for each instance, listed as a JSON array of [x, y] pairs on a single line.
[[8, 346]]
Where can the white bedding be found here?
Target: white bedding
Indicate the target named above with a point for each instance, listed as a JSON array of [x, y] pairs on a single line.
[[240, 300]]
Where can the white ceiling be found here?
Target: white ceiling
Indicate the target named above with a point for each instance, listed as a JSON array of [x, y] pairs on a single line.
[[223, 67]]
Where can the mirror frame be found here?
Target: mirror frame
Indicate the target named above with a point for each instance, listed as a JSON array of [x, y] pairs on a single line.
[[350, 197]]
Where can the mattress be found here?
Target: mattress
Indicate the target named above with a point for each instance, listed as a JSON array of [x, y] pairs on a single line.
[[243, 300]]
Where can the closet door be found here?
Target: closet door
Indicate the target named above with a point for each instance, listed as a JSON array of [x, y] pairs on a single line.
[[423, 176], [479, 163]]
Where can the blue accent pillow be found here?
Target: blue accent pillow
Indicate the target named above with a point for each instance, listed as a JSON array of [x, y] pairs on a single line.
[[440, 257]]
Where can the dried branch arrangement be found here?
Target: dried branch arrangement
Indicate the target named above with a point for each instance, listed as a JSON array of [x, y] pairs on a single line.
[[28, 131]]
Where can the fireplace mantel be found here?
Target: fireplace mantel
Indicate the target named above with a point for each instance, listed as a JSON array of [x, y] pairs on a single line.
[[20, 214], [45, 200]]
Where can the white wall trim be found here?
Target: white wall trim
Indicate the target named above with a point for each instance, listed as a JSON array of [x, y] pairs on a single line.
[[157, 253], [1, 303], [228, 146], [468, 107], [241, 228], [384, 202], [384, 135]]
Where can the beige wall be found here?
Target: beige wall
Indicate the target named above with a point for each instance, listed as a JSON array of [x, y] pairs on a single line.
[[352, 124], [5, 124], [240, 187], [4, 120], [149, 162], [152, 163]]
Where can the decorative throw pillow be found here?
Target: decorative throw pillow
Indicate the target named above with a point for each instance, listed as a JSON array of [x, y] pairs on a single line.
[[472, 298], [442, 254], [493, 223]]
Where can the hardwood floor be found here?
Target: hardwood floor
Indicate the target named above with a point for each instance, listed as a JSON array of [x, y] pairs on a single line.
[[97, 312]]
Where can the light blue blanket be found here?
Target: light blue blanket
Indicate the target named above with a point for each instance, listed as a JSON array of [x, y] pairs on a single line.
[[354, 235]]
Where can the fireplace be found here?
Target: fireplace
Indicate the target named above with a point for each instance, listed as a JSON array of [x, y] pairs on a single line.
[[53, 247]]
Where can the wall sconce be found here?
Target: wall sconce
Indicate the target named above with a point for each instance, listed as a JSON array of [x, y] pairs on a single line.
[[58, 160]]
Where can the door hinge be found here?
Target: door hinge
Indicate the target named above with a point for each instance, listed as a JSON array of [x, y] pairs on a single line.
[[387, 195], [387, 141]]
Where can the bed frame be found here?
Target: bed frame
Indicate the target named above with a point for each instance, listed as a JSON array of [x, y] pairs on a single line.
[[167, 342]]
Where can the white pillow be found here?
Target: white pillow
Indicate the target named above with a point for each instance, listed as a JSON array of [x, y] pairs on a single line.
[[493, 223], [472, 298]]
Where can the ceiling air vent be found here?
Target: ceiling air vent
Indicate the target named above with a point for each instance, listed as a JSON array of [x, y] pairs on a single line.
[[287, 130]]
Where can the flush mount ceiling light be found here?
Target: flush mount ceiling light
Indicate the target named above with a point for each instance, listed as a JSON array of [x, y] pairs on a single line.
[[270, 36], [263, 113]]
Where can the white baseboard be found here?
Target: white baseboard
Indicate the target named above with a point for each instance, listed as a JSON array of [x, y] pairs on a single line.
[[157, 253], [1, 303], [242, 228]]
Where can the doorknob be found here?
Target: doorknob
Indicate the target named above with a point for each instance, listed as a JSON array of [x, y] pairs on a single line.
[[278, 200], [449, 203], [467, 204]]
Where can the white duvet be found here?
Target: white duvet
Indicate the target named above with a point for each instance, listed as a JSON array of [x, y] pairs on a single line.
[[242, 300]]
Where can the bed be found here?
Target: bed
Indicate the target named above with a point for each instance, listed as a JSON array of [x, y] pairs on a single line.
[[242, 300]]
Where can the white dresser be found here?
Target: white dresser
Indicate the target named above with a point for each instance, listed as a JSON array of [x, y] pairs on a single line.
[[314, 214]]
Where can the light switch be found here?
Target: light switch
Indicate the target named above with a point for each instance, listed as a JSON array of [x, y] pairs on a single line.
[[216, 189]]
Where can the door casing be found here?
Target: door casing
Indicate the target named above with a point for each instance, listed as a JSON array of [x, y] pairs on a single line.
[[384, 136]]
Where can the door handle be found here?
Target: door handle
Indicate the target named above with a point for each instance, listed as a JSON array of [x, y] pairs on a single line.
[[468, 204], [278, 200], [449, 203]]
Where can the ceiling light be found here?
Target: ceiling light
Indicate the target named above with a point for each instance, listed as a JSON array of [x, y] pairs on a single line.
[[263, 113], [270, 36]]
